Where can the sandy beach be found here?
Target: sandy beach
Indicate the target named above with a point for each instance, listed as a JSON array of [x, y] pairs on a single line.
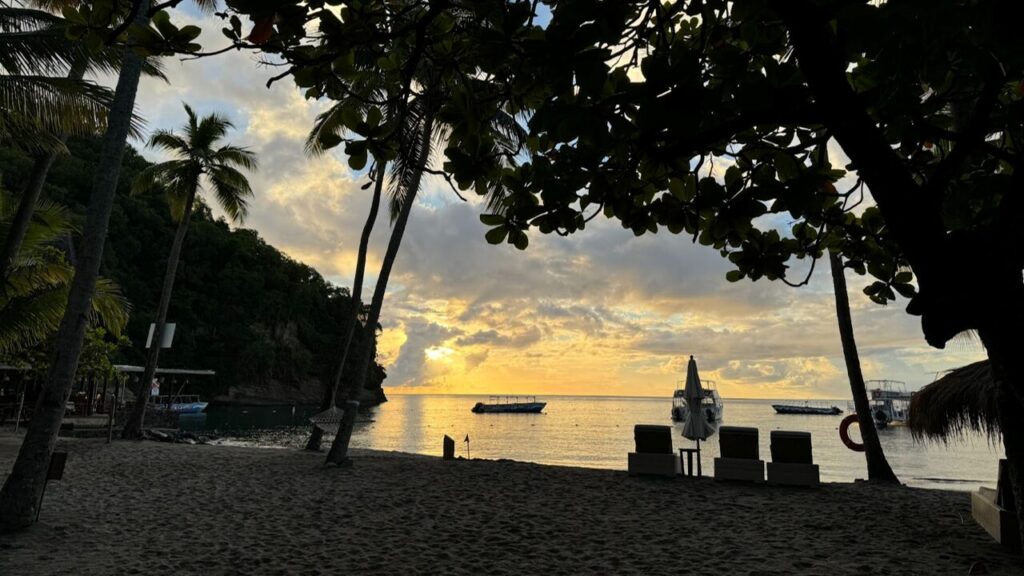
[[151, 508]]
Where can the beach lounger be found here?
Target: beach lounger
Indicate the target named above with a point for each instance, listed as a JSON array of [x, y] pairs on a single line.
[[654, 455], [792, 463], [995, 509], [739, 458]]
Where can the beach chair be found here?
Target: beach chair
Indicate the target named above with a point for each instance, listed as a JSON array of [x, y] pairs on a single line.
[[654, 455], [995, 509], [739, 458], [792, 463]]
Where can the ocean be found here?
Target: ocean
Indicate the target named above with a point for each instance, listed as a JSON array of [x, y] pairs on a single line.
[[597, 432]]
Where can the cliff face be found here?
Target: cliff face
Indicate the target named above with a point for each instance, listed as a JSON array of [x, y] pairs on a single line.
[[271, 393]]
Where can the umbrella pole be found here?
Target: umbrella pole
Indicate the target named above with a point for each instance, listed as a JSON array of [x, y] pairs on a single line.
[[698, 459]]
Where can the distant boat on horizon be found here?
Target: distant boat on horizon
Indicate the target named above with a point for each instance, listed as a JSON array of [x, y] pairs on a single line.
[[509, 405], [806, 409]]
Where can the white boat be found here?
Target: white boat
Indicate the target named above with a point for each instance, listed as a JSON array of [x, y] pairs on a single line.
[[712, 405], [889, 401]]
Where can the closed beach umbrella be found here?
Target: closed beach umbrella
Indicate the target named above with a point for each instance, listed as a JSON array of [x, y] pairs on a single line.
[[696, 426]]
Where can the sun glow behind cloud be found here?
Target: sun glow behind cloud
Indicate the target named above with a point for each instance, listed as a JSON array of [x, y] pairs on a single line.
[[601, 312]]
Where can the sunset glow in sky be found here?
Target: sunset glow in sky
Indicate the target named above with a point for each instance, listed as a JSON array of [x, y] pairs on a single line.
[[600, 313]]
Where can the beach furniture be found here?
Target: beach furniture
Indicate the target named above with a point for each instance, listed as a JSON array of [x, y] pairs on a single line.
[[654, 455], [995, 510], [739, 458], [792, 463]]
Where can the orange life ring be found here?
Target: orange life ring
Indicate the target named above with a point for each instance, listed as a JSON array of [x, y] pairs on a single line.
[[844, 433]]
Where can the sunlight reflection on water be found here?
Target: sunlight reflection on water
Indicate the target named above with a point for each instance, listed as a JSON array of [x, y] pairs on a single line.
[[597, 432]]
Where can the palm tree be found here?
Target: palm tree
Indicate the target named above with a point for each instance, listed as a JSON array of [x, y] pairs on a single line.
[[32, 305], [878, 466], [197, 158], [325, 131], [21, 490], [417, 136], [349, 329]]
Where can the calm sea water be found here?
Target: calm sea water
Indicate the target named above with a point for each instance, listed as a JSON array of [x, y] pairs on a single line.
[[597, 432]]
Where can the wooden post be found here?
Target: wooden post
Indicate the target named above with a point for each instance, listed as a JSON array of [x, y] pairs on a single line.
[[90, 393], [110, 417], [448, 445], [103, 395], [698, 459]]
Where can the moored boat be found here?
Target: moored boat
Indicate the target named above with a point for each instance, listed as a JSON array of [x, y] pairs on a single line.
[[890, 402], [182, 404], [806, 409], [509, 405], [712, 405]]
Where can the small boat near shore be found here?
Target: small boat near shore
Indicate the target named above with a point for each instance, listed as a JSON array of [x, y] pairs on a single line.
[[807, 409], [181, 404], [509, 405]]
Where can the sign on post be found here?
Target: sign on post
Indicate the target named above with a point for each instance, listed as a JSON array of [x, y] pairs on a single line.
[[57, 462], [448, 447], [54, 472], [168, 335]]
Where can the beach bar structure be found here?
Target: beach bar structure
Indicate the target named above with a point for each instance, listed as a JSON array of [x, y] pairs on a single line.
[[92, 394]]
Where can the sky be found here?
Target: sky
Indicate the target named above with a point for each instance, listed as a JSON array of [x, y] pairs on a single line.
[[598, 313]]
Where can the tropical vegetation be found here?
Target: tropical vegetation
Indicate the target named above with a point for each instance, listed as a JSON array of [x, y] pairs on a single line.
[[35, 290]]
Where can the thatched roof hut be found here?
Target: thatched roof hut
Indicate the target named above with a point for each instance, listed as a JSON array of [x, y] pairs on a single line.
[[962, 401]]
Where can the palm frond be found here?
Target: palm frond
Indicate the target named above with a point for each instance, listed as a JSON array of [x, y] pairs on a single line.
[[415, 151], [25, 322], [232, 191], [54, 105], [169, 142], [35, 291], [235, 156], [50, 222], [109, 306], [211, 128], [328, 129], [207, 6], [34, 42]]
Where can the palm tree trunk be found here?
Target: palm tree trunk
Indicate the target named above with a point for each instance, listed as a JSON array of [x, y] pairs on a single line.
[[1004, 342], [33, 189], [339, 449], [20, 495], [878, 466], [349, 329], [133, 426]]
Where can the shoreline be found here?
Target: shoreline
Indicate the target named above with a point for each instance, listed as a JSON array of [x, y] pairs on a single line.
[[155, 508]]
